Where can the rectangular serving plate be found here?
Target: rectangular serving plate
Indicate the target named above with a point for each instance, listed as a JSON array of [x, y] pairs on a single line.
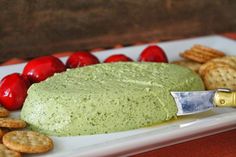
[[135, 141]]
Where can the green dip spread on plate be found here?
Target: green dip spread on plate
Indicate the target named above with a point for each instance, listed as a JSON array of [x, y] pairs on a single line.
[[106, 98]]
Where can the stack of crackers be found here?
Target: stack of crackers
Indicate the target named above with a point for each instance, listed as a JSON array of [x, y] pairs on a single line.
[[15, 141], [215, 68]]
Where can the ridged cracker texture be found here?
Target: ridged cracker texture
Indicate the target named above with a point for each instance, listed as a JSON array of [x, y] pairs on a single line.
[[27, 142], [201, 54], [12, 123]]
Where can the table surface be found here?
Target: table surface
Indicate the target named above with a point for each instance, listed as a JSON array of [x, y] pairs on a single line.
[[218, 145]]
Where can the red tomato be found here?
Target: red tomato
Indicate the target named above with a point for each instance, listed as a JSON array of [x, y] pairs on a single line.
[[153, 53], [118, 58], [13, 91], [80, 59], [41, 68]]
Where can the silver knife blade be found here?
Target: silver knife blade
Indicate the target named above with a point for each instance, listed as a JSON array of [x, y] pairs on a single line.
[[191, 102]]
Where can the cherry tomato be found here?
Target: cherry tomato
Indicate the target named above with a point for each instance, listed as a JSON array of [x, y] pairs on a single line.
[[41, 68], [80, 59], [13, 91], [153, 53], [118, 58]]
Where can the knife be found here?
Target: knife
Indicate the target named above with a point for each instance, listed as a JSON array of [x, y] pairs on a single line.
[[191, 102]]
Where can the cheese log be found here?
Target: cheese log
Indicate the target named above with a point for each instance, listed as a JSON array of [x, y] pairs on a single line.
[[106, 98]]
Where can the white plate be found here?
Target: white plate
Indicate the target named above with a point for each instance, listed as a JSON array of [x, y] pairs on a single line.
[[134, 141]]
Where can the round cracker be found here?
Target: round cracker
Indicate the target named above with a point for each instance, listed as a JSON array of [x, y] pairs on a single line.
[[232, 58], [27, 142], [12, 123], [209, 65], [227, 60], [4, 112], [220, 77], [5, 152]]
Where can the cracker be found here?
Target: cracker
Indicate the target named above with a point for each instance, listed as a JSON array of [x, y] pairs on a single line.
[[209, 65], [208, 50], [5, 152], [27, 142], [12, 123], [230, 60], [201, 54], [220, 77], [227, 60], [4, 112], [189, 64]]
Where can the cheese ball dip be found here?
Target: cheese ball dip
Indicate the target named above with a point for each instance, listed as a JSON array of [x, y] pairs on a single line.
[[106, 98]]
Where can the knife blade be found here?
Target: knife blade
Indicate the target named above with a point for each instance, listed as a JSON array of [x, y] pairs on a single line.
[[192, 102]]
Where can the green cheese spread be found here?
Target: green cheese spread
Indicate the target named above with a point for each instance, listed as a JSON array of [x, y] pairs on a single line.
[[106, 98]]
